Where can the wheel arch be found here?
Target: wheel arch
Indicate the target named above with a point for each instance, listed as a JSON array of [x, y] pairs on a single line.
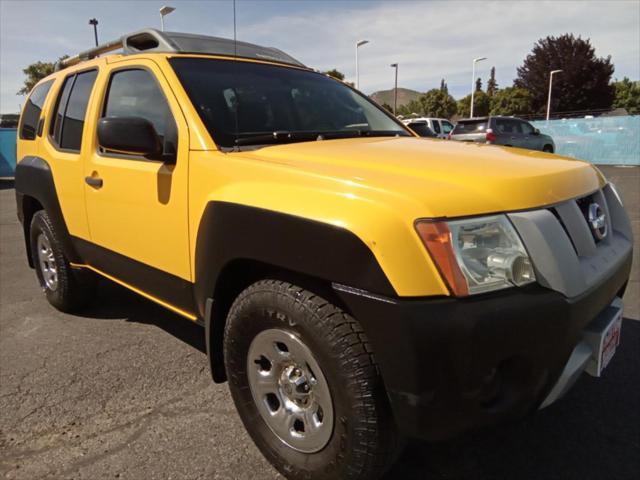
[[238, 245], [236, 276], [35, 189]]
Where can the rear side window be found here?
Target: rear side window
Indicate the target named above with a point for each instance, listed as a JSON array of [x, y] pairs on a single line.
[[505, 125], [474, 126], [436, 126], [71, 108], [32, 111]]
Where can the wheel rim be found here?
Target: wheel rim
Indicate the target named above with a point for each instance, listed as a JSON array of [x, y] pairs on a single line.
[[47, 261], [290, 390]]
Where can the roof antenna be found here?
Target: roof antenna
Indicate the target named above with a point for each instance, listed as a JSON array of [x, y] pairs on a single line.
[[235, 60]]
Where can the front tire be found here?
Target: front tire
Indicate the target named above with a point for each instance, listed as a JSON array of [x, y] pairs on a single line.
[[304, 380], [547, 149], [65, 289]]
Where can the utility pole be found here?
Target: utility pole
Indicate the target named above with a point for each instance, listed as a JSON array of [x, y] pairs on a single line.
[[553, 72], [94, 22], [359, 43], [395, 90], [473, 82], [166, 10]]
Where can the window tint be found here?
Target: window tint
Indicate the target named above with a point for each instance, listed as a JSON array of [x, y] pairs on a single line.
[[526, 128], [135, 93], [71, 108], [505, 125], [58, 114], [32, 110], [73, 124], [422, 129], [238, 100], [436, 126], [446, 126], [471, 126]]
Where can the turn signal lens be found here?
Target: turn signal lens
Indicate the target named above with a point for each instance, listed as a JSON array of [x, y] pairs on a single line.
[[437, 238]]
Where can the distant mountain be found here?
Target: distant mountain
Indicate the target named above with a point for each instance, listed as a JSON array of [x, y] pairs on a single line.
[[405, 95]]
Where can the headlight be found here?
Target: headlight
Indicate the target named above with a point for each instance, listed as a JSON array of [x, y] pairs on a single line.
[[477, 255]]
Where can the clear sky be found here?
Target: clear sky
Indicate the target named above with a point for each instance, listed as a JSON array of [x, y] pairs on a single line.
[[429, 39]]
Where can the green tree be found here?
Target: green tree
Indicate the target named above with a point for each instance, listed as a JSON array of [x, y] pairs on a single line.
[[438, 103], [36, 72], [387, 107], [627, 96], [492, 85], [411, 108], [478, 84], [511, 101], [583, 84], [335, 73], [481, 105]]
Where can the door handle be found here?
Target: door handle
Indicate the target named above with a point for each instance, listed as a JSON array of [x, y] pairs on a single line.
[[93, 181]]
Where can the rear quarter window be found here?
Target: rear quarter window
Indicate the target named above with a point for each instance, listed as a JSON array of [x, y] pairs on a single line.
[[32, 111]]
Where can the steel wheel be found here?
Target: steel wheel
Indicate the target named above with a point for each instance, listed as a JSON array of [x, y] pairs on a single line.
[[290, 390], [47, 262]]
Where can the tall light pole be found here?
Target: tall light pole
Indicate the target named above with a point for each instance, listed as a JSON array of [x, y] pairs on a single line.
[[395, 89], [94, 22], [473, 82], [359, 43], [163, 12], [553, 72]]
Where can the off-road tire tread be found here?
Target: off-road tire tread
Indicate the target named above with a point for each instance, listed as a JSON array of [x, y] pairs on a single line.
[[74, 288], [376, 443]]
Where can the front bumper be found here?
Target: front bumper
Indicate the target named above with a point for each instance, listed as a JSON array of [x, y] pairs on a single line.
[[450, 365]]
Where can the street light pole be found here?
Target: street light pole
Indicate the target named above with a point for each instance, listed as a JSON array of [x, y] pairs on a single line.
[[473, 82], [359, 43], [163, 12], [94, 22], [553, 72], [395, 89]]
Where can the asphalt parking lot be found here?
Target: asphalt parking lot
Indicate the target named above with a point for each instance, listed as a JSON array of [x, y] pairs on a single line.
[[124, 391]]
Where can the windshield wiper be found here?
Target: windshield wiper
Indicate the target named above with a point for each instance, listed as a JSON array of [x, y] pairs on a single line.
[[284, 136]]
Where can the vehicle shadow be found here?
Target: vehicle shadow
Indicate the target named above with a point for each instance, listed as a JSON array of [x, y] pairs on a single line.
[[113, 302], [593, 433]]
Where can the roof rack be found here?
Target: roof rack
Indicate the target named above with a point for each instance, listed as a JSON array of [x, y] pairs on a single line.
[[152, 40]]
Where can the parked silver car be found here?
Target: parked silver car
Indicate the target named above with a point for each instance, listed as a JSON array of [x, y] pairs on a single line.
[[440, 126], [508, 131]]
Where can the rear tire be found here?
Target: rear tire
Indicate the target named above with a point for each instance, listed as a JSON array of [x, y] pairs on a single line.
[[547, 149], [65, 289], [299, 337]]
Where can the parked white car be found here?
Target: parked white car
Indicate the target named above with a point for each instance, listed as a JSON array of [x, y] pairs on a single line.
[[440, 126]]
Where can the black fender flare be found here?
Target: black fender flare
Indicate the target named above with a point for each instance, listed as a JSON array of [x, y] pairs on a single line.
[[230, 231], [34, 178]]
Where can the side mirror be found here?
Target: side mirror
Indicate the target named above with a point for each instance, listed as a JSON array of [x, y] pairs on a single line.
[[536, 131], [129, 135]]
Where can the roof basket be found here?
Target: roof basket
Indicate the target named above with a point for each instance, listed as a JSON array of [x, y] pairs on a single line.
[[153, 40]]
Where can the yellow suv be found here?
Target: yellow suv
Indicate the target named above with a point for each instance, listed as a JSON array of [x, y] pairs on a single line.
[[356, 284]]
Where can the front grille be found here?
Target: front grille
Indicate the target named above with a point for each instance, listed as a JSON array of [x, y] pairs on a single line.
[[560, 240]]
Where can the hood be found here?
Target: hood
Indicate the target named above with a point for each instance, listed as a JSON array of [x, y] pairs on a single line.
[[443, 178]]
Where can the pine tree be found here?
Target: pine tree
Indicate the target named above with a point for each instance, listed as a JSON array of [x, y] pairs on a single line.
[[492, 85]]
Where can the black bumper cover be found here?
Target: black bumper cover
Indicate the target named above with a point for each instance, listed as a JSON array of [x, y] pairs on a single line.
[[450, 365]]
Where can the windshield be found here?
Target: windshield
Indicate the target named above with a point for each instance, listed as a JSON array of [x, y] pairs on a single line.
[[243, 103]]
